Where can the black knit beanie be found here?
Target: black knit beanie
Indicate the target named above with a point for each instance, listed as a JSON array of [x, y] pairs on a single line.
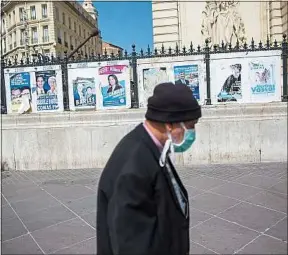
[[172, 103]]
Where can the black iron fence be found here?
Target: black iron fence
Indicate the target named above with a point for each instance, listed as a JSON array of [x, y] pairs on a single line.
[[133, 56]]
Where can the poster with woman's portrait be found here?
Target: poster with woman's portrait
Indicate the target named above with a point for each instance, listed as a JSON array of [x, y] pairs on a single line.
[[48, 91], [114, 85]]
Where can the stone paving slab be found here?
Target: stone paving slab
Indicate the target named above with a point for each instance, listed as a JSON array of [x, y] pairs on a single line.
[[240, 209]]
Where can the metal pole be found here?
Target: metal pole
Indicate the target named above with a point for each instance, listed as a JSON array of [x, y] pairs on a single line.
[[284, 59], [208, 78], [134, 101], [95, 32]]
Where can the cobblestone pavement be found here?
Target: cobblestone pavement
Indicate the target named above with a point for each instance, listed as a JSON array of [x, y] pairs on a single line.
[[234, 209]]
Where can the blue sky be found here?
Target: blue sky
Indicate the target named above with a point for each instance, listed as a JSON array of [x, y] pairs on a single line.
[[125, 23]]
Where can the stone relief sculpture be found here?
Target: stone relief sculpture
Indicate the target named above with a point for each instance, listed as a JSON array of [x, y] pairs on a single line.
[[222, 22]]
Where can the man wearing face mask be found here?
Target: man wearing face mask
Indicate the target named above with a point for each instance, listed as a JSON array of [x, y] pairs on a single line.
[[142, 205]]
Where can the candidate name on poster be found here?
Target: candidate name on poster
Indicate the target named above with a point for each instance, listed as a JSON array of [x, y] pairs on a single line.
[[113, 85], [20, 92], [152, 77], [261, 76], [46, 91], [231, 89], [188, 75], [84, 92]]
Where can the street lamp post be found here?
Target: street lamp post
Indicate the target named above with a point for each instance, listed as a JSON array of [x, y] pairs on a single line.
[[94, 33]]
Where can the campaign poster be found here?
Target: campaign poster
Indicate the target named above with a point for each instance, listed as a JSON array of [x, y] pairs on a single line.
[[188, 75], [151, 78], [84, 93], [46, 91], [114, 84], [20, 92], [229, 83], [262, 79]]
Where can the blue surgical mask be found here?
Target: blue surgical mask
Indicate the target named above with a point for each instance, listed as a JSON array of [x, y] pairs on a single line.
[[188, 140]]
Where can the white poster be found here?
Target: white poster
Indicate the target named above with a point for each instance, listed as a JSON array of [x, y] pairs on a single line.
[[264, 79], [82, 82], [152, 71], [114, 85], [34, 89], [246, 77]]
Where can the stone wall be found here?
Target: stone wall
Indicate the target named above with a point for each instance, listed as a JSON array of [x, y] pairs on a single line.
[[74, 140]]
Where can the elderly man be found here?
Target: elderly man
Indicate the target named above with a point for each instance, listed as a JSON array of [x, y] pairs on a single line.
[[142, 204]]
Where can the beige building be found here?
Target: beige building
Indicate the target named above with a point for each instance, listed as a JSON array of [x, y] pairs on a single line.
[[111, 48], [48, 27], [184, 21]]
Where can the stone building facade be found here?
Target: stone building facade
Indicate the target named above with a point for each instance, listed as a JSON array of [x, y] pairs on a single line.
[[184, 21], [48, 27]]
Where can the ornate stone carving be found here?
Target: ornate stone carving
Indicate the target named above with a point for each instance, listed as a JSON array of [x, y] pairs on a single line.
[[222, 22]]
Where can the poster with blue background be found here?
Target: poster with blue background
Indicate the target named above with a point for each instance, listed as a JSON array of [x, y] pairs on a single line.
[[46, 91], [113, 85], [19, 85], [188, 75]]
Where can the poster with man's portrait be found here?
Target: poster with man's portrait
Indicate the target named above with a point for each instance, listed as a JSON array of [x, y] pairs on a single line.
[[46, 91], [20, 92], [188, 75]]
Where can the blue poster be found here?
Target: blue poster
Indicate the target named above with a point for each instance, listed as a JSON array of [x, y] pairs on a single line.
[[188, 75], [113, 85], [46, 91], [20, 89]]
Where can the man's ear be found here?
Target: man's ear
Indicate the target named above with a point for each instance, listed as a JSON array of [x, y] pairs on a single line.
[[168, 127]]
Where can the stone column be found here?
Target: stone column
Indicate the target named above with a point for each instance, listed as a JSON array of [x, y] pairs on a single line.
[[276, 26]]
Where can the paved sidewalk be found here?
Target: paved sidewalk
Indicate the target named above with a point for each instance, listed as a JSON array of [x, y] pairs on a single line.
[[234, 209]]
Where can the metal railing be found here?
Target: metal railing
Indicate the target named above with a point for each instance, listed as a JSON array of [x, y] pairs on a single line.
[[207, 51]]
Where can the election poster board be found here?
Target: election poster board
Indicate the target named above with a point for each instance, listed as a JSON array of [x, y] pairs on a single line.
[[188, 70], [114, 85], [82, 81], [246, 77], [34, 89], [191, 74], [47, 90], [99, 85]]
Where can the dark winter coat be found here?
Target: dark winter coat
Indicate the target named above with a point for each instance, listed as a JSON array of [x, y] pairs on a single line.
[[137, 210]]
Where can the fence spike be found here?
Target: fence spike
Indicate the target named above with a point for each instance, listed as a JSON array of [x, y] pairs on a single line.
[[230, 46], [156, 51], [284, 38], [126, 54], [252, 43], [215, 47], [237, 44], [275, 44], [162, 49], [268, 42], [177, 49], [199, 48], [148, 50], [223, 45], [141, 52], [191, 47], [170, 50], [184, 50], [260, 45]]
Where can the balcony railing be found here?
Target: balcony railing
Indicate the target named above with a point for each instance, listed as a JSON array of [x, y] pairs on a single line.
[[45, 38]]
